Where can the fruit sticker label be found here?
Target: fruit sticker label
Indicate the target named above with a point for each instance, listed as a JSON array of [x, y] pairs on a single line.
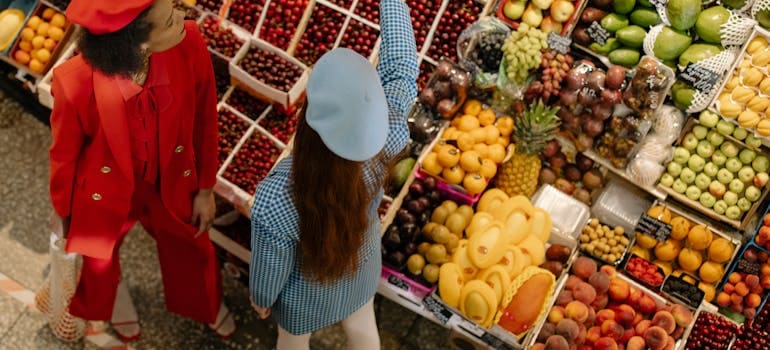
[[439, 310], [653, 227], [701, 78], [399, 283], [597, 33], [558, 42], [749, 267]]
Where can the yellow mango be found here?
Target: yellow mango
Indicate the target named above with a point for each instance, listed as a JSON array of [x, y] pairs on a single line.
[[730, 109], [748, 119], [756, 45], [763, 127], [751, 76], [761, 59], [742, 94], [758, 104]]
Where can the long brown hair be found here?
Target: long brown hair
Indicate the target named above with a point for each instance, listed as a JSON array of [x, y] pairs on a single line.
[[332, 198]]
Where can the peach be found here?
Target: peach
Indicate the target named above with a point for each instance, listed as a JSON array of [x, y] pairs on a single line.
[[585, 347], [752, 281], [548, 330], [604, 315], [577, 311], [538, 346], [635, 343], [625, 315], [749, 312], [584, 267], [606, 344], [556, 314], [572, 281], [627, 335], [642, 326], [608, 270], [593, 334], [741, 289], [670, 344], [737, 308], [736, 299], [765, 282], [735, 277], [635, 296], [665, 321], [619, 290], [723, 299], [581, 338], [656, 338], [600, 282], [639, 317], [600, 302], [678, 332], [729, 288], [753, 300], [556, 342], [568, 329], [647, 305], [612, 329], [591, 316], [682, 315], [758, 290], [584, 293], [564, 298]]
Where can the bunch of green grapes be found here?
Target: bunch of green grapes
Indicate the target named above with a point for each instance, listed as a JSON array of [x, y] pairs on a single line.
[[522, 51]]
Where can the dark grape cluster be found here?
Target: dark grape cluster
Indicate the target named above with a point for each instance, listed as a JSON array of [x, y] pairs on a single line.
[[321, 33], [280, 124], [271, 69], [218, 38], [250, 106], [231, 129], [426, 69], [245, 13], [252, 162], [359, 37], [489, 52]]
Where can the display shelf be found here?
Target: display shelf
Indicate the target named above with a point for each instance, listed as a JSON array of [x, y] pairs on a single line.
[[655, 192], [230, 245]]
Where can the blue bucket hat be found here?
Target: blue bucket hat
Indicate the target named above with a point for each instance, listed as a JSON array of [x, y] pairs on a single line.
[[347, 106]]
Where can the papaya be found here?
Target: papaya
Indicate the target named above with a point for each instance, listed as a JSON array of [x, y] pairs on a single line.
[[527, 300]]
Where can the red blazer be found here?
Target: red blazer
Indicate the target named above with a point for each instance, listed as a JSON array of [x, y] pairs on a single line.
[[91, 171]]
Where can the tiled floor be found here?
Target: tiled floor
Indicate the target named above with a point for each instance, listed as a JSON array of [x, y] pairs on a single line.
[[24, 207]]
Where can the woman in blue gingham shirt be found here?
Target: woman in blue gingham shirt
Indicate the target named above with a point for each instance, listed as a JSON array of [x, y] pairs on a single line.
[[277, 282]]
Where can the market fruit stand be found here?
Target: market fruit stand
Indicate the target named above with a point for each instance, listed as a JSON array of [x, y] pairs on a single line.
[[581, 174]]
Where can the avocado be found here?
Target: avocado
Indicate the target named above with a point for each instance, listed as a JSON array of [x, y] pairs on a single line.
[[734, 4], [624, 57], [645, 17], [710, 22], [763, 17], [682, 14], [401, 171], [683, 94], [609, 46], [623, 6], [614, 22], [631, 36], [670, 43], [645, 3], [698, 52]]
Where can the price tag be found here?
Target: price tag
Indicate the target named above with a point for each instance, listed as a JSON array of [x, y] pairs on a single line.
[[597, 33], [659, 4], [558, 42], [752, 268], [700, 78], [439, 310], [653, 227], [494, 342], [470, 327], [398, 282]]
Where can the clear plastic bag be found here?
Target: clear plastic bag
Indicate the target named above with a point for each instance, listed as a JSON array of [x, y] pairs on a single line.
[[669, 122], [648, 88], [479, 50]]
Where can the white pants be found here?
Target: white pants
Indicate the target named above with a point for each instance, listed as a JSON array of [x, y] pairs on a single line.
[[360, 327]]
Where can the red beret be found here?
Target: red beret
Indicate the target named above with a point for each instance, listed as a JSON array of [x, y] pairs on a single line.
[[105, 16]]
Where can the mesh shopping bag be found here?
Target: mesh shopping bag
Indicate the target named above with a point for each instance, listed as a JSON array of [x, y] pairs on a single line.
[[53, 299]]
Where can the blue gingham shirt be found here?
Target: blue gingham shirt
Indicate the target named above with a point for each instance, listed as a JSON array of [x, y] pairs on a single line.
[[276, 280]]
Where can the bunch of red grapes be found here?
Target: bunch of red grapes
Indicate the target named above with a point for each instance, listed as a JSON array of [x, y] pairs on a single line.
[[554, 67], [281, 21], [359, 37], [271, 69], [231, 129], [245, 13], [250, 106], [252, 163], [321, 33], [457, 16], [218, 38], [280, 124]]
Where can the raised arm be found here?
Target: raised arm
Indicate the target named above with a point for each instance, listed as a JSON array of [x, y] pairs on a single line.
[[398, 70]]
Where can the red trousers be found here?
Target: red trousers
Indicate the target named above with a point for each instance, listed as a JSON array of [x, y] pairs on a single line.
[[191, 275]]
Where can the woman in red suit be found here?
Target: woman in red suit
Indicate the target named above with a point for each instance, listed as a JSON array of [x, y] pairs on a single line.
[[134, 129]]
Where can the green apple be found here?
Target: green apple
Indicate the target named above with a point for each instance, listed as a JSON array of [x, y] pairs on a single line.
[[681, 155], [734, 164], [724, 176], [719, 158], [667, 180], [700, 132], [725, 128], [707, 199], [693, 193], [720, 207], [708, 119], [681, 187], [752, 193], [731, 198], [753, 141], [736, 186], [710, 169], [740, 134], [746, 174], [690, 142], [760, 164], [715, 138], [674, 169], [747, 156], [687, 176], [705, 149], [733, 212], [702, 181], [744, 204], [729, 149], [760, 180], [514, 9], [717, 189], [696, 163]]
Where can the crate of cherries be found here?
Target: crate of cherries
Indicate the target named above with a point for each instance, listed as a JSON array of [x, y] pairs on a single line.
[[268, 72], [221, 37]]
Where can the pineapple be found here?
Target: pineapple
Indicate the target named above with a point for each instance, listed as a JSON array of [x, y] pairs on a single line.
[[532, 131]]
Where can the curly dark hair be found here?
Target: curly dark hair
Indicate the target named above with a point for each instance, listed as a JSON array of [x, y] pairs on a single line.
[[117, 53]]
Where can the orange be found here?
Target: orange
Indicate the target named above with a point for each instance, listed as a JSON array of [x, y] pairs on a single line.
[[36, 66], [468, 122], [42, 29], [43, 55], [21, 57], [472, 107], [49, 44], [474, 183], [37, 42], [34, 22], [55, 33], [487, 117], [48, 13], [27, 34], [59, 20], [25, 46]]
